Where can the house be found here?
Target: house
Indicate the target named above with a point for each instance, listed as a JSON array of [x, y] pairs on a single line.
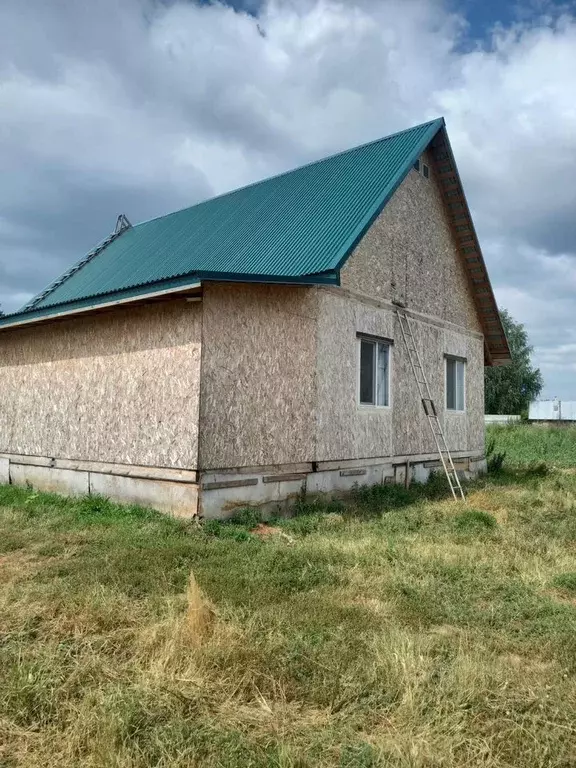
[[247, 349]]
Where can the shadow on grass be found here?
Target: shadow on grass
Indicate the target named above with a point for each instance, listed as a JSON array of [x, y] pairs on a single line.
[[306, 516], [372, 503], [528, 475]]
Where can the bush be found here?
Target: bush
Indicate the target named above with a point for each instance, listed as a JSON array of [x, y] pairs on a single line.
[[495, 459]]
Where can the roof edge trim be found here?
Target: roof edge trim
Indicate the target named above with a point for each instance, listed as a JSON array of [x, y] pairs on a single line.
[[103, 302], [86, 259], [153, 290], [496, 346], [296, 168], [434, 127]]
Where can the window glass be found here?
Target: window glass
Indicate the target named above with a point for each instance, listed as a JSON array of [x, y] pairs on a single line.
[[367, 372], [455, 372], [374, 372], [451, 384]]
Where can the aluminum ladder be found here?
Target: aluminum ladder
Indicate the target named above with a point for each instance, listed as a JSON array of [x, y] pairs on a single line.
[[429, 405]]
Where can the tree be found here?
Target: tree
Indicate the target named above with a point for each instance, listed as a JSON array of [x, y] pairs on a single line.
[[509, 389]]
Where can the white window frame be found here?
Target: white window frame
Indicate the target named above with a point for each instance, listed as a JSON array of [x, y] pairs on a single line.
[[376, 341], [458, 361], [422, 168]]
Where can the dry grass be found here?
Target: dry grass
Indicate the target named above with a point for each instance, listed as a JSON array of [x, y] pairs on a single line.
[[402, 630]]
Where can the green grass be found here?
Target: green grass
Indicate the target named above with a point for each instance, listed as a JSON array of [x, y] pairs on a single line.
[[566, 582], [400, 629], [526, 444]]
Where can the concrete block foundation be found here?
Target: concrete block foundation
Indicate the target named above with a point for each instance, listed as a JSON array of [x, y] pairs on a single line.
[[173, 492], [220, 494], [66, 481], [4, 471], [225, 492], [178, 499]]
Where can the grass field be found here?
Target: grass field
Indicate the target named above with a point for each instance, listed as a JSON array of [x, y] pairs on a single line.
[[399, 630], [526, 443]]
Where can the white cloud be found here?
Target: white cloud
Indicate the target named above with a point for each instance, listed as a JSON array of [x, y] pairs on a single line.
[[144, 107]]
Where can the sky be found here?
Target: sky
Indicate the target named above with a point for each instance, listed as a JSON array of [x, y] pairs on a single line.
[[146, 106]]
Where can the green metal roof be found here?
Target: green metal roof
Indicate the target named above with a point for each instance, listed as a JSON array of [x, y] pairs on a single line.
[[297, 227]]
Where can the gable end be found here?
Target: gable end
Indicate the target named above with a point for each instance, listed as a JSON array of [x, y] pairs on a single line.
[[497, 351]]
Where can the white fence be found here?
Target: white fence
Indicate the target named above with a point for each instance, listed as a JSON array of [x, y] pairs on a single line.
[[493, 418]]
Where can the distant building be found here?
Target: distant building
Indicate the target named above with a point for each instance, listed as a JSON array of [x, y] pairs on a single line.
[[248, 349], [552, 410]]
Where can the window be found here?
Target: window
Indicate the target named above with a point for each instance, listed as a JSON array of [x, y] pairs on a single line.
[[374, 372], [422, 168], [455, 372]]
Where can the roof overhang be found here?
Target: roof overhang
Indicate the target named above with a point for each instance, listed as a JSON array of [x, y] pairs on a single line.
[[185, 286], [96, 304]]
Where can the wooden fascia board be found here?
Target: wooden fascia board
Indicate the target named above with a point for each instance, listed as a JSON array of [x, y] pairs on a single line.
[[445, 170]]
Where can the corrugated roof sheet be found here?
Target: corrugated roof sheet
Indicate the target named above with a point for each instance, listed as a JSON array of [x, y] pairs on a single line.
[[296, 227]]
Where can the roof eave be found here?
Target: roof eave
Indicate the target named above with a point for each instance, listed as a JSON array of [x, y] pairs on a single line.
[[158, 290], [497, 350]]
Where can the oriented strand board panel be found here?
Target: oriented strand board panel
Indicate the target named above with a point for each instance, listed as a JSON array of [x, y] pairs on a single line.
[[258, 375], [409, 255], [117, 387], [464, 430], [412, 432], [467, 430], [346, 430]]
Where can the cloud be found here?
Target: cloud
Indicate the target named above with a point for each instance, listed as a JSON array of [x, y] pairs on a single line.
[[146, 106]]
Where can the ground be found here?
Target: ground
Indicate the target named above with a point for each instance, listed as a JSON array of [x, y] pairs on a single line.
[[401, 629]]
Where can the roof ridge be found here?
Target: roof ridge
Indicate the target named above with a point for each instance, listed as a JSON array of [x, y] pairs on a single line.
[[439, 120], [122, 225], [329, 255]]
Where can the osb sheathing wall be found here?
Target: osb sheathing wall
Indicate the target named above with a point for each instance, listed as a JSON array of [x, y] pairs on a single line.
[[463, 430], [258, 375], [347, 430], [409, 255], [118, 387]]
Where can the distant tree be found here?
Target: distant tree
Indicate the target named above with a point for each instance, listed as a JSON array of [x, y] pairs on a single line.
[[509, 389]]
